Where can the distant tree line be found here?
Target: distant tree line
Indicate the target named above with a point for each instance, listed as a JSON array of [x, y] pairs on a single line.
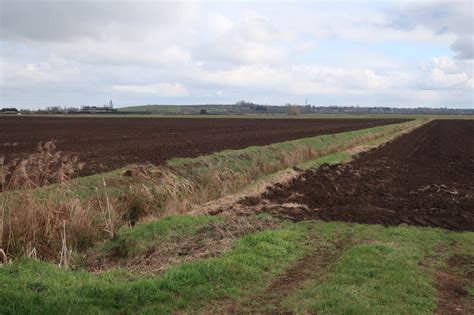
[[244, 107], [9, 109]]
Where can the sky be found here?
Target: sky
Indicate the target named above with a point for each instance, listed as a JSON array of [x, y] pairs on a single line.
[[366, 53]]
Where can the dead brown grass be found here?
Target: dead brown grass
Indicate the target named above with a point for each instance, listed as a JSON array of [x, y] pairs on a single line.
[[209, 241], [171, 191], [56, 224], [43, 167]]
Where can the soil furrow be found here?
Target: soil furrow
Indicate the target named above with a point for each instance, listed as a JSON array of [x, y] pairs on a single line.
[[109, 143], [424, 178]]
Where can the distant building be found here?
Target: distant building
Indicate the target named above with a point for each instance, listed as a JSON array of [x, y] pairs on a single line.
[[98, 109]]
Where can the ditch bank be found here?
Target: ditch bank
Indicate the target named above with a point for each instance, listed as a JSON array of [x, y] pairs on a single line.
[[423, 178], [71, 217]]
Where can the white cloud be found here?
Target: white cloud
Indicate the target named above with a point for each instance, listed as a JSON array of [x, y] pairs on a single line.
[[441, 17], [219, 23], [445, 73], [52, 70], [190, 52], [120, 52], [70, 20], [364, 25], [162, 89], [300, 80], [249, 38]]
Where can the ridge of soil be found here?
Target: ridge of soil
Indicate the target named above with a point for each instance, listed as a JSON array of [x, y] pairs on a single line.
[[106, 144], [423, 178], [236, 202]]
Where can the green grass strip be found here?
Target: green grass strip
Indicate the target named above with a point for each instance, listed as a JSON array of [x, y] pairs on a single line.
[[246, 162], [372, 279], [382, 273], [145, 235], [28, 286]]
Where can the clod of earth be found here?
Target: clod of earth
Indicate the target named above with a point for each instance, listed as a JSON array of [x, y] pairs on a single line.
[[423, 178]]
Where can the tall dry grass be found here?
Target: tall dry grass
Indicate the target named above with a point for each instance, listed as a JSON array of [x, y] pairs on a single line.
[[57, 224], [43, 167], [171, 190], [48, 226]]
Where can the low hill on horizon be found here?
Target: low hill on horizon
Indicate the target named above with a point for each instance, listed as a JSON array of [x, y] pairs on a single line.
[[251, 108]]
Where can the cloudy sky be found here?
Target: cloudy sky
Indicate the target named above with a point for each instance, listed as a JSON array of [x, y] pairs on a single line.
[[368, 53]]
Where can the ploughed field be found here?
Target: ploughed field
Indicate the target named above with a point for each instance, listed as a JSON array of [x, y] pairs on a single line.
[[109, 143], [423, 178]]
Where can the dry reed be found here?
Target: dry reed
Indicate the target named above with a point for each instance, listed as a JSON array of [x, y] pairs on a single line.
[[60, 223], [43, 167], [46, 227]]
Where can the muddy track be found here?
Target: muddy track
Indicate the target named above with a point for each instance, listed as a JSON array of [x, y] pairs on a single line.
[[313, 267], [424, 178], [452, 286], [109, 143]]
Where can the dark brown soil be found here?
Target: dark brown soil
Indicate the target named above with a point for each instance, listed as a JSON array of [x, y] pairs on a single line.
[[109, 143], [423, 178]]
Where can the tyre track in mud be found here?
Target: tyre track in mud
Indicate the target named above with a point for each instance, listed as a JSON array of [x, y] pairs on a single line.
[[315, 266]]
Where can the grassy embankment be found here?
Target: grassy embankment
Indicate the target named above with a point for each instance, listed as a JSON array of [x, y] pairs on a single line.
[[370, 269], [377, 270], [232, 169], [92, 208]]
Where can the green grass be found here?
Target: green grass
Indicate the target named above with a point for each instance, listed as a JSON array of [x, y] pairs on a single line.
[[248, 168], [372, 279], [382, 273], [32, 287], [271, 154], [335, 158], [187, 181], [222, 111], [144, 236]]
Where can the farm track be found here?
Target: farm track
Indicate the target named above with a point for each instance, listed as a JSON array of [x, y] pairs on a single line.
[[424, 178], [314, 268], [105, 144]]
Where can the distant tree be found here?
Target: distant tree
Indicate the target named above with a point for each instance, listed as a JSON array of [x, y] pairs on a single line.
[[203, 112], [54, 110], [293, 110], [261, 109], [9, 109], [246, 104]]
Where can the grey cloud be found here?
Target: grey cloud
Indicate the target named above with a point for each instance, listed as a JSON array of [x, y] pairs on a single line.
[[441, 17], [66, 20], [71, 53], [464, 47]]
